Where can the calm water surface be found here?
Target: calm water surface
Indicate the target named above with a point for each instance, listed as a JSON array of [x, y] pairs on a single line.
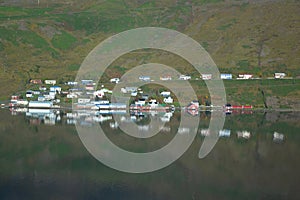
[[42, 157]]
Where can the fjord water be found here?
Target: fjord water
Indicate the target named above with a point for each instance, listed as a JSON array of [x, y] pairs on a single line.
[[42, 161]]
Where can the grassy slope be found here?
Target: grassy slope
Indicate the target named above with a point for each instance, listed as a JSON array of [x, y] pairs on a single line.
[[50, 41]]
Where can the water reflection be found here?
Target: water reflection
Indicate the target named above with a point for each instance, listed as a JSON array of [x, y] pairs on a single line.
[[92, 117], [256, 157]]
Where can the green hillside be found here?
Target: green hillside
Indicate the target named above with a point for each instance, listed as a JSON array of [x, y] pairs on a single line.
[[51, 39]]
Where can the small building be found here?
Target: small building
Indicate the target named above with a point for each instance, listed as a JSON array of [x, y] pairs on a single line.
[[72, 83], [206, 76], [56, 89], [35, 92], [144, 78], [114, 80], [35, 81], [153, 103], [165, 93], [145, 96], [184, 77], [14, 98], [140, 102], [41, 98], [226, 76], [50, 82], [165, 78], [29, 94], [279, 75], [128, 89], [168, 99], [134, 93], [42, 88], [245, 76]]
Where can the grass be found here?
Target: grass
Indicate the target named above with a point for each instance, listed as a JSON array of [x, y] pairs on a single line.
[[63, 41]]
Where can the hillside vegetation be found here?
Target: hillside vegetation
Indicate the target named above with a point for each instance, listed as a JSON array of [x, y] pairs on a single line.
[[51, 39]]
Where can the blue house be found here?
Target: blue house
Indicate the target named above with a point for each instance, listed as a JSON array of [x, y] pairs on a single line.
[[226, 76]]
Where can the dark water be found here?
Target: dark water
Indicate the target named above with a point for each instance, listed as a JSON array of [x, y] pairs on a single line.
[[42, 157]]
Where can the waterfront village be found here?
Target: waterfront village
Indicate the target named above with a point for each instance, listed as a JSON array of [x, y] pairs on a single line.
[[50, 94], [47, 98]]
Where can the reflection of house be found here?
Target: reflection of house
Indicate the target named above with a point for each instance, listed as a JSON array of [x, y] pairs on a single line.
[[183, 130], [167, 117], [243, 134], [194, 105], [204, 132], [278, 137], [224, 133], [84, 100]]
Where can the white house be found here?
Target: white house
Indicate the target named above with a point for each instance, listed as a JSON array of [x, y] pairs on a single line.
[[55, 89], [29, 94], [145, 78], [279, 75], [165, 78], [184, 77], [168, 99], [114, 80], [128, 89], [72, 83], [245, 76], [50, 82], [165, 93], [206, 76], [134, 93], [226, 76], [141, 102]]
